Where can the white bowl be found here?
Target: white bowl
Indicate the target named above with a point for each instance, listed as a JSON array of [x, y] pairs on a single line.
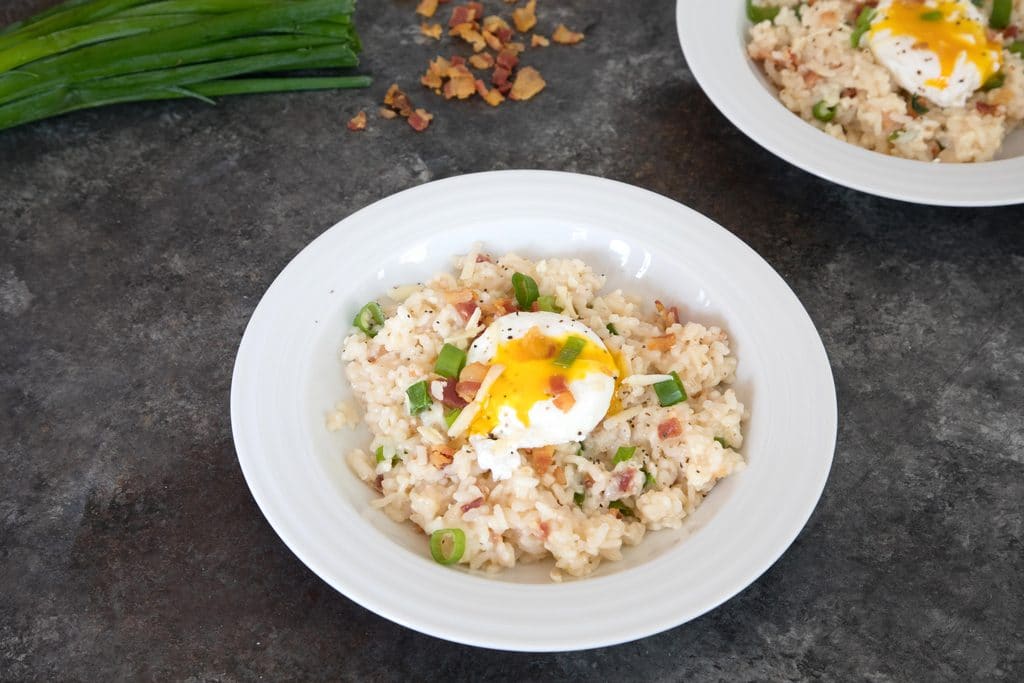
[[714, 36], [288, 374]]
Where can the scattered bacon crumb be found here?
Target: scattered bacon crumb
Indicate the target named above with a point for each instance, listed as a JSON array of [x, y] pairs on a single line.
[[456, 296], [469, 34], [507, 59], [1011, 31], [483, 258], [484, 61], [439, 456], [466, 309], [848, 92], [564, 36], [985, 107], [474, 372], [495, 23], [670, 428], [563, 398], [431, 30], [545, 529], [357, 122], [398, 100], [450, 395], [467, 390], [541, 458], [525, 18], [386, 113], [473, 504], [625, 479], [668, 316], [662, 343], [460, 84], [559, 472], [420, 119], [527, 84], [504, 306], [537, 40], [427, 8], [536, 344]]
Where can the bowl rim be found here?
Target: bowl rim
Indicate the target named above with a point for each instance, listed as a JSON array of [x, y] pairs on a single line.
[[715, 53], [518, 599]]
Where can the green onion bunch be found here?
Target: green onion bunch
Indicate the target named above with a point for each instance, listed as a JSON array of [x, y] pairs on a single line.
[[90, 53]]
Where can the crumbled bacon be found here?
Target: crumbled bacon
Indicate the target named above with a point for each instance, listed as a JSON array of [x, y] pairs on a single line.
[[386, 113], [467, 390], [545, 529], [984, 108], [662, 343], [461, 14], [1011, 31], [528, 83], [483, 258], [537, 40], [466, 309], [431, 30], [420, 119], [473, 504], [504, 306], [670, 428], [494, 23], [504, 35], [507, 59], [564, 36], [536, 344], [474, 372], [669, 315], [563, 398], [525, 18], [625, 479], [454, 296], [450, 395], [559, 472], [426, 8], [440, 456], [848, 92], [484, 61], [461, 83], [470, 35], [541, 458], [357, 122]]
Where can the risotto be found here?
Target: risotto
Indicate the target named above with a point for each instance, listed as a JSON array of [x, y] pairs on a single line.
[[932, 80], [517, 413]]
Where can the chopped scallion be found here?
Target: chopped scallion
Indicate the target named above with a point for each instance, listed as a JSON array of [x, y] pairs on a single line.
[[547, 303], [370, 319], [525, 288], [917, 106], [447, 545], [450, 361], [1000, 17], [623, 454], [419, 397], [994, 81], [611, 329], [570, 351], [623, 509], [649, 479], [451, 416], [1017, 47], [670, 391], [578, 498], [757, 13], [864, 19], [380, 454], [823, 112], [722, 442], [934, 15]]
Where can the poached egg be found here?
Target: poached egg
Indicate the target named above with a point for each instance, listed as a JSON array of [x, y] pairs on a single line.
[[938, 49], [527, 406]]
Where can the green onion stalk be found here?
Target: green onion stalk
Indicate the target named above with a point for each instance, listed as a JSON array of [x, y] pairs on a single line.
[[90, 53]]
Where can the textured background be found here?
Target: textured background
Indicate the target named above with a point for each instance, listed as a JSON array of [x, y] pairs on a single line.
[[137, 240]]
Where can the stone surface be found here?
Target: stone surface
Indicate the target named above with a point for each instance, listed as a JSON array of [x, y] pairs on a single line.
[[136, 241]]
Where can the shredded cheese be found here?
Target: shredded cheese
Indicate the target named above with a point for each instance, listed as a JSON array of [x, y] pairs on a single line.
[[465, 418]]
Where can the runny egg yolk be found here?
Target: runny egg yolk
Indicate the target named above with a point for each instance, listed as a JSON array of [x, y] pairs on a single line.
[[531, 375], [945, 29]]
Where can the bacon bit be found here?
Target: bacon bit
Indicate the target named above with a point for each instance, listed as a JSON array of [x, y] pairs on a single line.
[[811, 78], [472, 505], [545, 529], [493, 23], [538, 345], [456, 296], [483, 258], [492, 97], [507, 59], [504, 34], [461, 14], [1011, 31], [474, 372], [625, 479], [398, 100], [466, 309], [450, 395], [436, 72], [527, 84], [559, 472], [461, 83], [467, 390], [828, 18], [426, 8], [500, 76], [525, 18], [541, 458], [386, 113], [537, 40], [439, 456], [668, 316], [378, 483], [484, 61], [588, 481], [469, 34], [564, 400], [515, 47], [357, 122], [662, 343], [564, 36], [492, 40], [504, 306], [848, 92], [985, 108], [431, 30], [458, 61], [420, 120], [670, 428]]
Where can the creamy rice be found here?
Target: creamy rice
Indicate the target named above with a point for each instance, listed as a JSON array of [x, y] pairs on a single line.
[[536, 513], [809, 58]]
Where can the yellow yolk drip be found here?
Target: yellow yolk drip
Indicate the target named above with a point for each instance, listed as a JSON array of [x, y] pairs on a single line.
[[529, 366], [949, 37]]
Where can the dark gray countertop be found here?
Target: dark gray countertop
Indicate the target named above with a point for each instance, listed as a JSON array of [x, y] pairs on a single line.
[[137, 240]]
